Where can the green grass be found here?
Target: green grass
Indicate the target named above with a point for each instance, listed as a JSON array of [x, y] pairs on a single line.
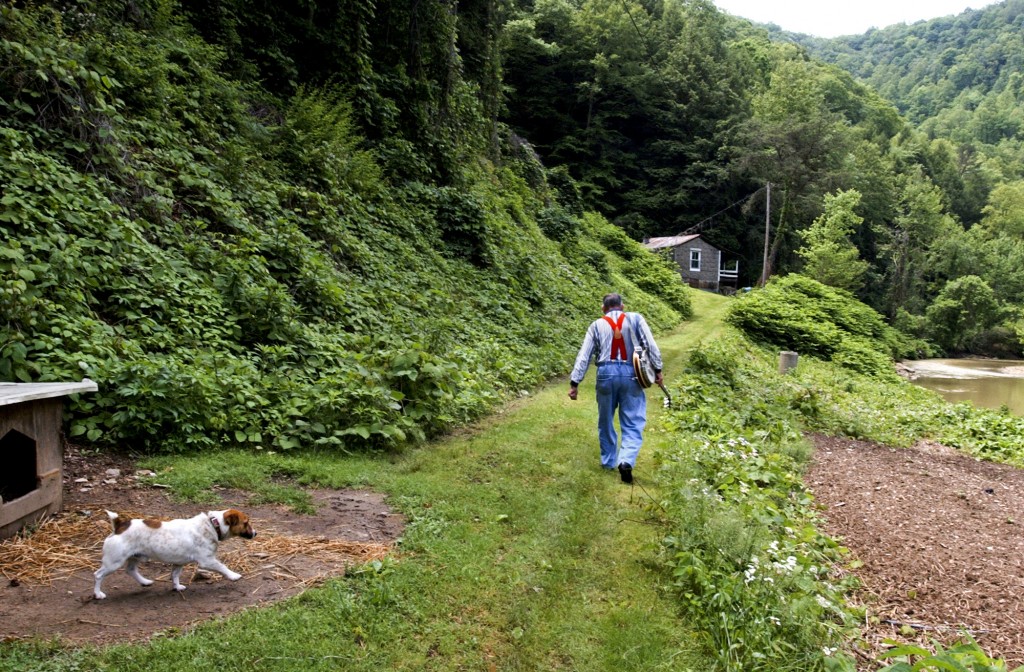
[[521, 553]]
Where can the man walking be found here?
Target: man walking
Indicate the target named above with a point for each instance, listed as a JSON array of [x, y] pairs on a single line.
[[610, 341]]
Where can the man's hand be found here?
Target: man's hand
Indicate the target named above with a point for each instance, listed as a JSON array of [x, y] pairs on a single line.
[[573, 391], [659, 379]]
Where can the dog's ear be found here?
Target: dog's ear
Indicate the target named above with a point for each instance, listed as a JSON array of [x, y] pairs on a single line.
[[232, 517]]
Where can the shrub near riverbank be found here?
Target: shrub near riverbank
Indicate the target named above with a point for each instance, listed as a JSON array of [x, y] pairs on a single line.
[[797, 313], [744, 555]]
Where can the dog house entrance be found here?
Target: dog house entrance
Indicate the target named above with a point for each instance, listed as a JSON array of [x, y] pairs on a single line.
[[32, 451], [19, 477]]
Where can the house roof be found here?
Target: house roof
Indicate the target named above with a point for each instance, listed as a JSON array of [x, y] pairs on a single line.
[[669, 241]]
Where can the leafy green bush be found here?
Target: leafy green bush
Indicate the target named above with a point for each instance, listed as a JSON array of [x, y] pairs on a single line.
[[591, 256], [646, 270], [797, 313], [914, 328], [618, 241], [567, 190], [999, 342], [962, 311], [658, 276], [460, 217], [966, 656], [768, 317], [861, 356], [558, 224], [321, 147]]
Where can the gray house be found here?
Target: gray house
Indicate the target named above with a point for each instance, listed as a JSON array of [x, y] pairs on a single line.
[[700, 263]]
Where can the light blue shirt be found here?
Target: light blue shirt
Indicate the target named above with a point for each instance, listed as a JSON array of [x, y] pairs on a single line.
[[597, 344]]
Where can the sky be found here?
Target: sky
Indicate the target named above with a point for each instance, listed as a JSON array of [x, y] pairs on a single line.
[[828, 18]]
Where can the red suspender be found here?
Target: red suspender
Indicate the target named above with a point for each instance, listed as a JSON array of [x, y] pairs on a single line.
[[618, 343]]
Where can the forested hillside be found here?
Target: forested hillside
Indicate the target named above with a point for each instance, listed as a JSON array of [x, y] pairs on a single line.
[[673, 117], [942, 67], [240, 251], [958, 78], [360, 223]]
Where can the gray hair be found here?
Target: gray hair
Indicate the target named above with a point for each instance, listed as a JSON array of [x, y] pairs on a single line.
[[612, 300]]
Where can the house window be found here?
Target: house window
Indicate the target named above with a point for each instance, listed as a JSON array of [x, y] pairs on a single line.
[[695, 260]]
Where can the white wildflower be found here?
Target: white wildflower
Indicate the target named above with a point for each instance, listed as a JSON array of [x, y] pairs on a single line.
[[751, 571], [785, 567]]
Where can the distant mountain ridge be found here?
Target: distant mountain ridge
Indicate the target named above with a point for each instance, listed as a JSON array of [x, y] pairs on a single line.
[[936, 70]]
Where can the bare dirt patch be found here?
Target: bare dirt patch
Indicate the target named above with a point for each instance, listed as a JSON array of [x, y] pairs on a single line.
[[46, 588], [940, 537]]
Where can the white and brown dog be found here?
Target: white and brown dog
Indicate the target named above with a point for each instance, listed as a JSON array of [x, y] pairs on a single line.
[[176, 542]]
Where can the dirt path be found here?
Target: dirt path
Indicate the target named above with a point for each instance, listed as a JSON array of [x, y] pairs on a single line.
[[940, 535]]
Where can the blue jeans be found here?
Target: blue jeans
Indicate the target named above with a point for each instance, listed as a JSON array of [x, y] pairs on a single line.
[[617, 390]]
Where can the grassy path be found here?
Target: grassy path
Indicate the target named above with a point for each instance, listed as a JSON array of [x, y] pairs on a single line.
[[521, 554]]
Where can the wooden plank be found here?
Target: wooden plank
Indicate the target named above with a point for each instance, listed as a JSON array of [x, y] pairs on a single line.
[[15, 393], [30, 507]]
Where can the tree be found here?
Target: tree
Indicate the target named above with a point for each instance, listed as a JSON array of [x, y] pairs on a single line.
[[1005, 210], [918, 222], [799, 143], [964, 309], [829, 255], [638, 101]]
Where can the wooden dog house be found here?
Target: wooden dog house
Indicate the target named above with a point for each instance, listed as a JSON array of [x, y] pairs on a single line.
[[32, 452]]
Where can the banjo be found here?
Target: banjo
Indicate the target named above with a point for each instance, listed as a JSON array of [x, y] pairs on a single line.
[[643, 368]]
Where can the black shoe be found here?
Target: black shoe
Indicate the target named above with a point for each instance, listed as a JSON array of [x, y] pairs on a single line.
[[626, 472]]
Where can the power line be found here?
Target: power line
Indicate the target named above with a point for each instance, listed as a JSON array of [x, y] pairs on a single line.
[[643, 38], [699, 226]]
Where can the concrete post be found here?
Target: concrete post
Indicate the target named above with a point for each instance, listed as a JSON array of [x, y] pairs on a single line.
[[787, 361]]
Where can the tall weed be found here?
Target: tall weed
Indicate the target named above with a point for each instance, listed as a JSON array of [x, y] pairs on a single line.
[[746, 558]]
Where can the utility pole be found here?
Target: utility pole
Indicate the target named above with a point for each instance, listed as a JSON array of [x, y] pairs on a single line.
[[767, 231]]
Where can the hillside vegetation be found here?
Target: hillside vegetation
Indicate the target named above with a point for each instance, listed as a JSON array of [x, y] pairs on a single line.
[[957, 76], [522, 553], [238, 269], [357, 225], [959, 79], [746, 556], [673, 117]]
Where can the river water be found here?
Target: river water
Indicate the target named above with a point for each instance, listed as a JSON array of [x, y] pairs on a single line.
[[989, 383]]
